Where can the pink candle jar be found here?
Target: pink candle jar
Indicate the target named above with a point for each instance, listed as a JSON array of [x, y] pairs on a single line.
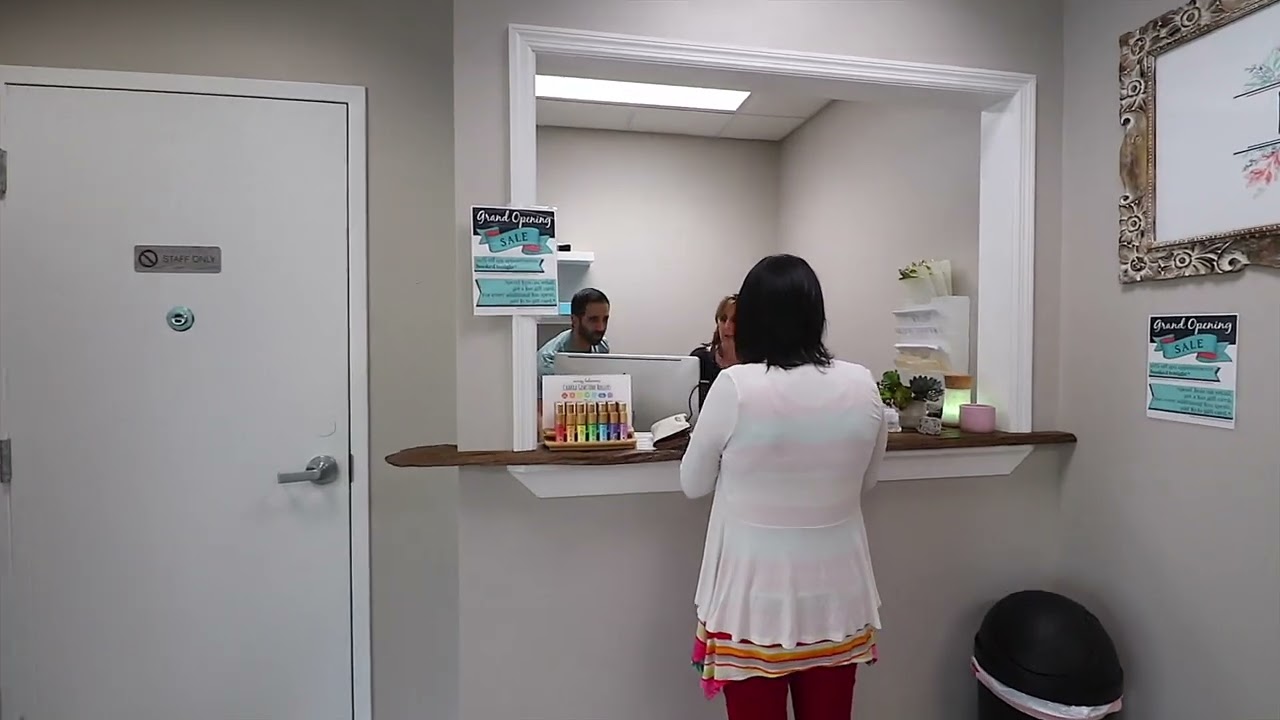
[[975, 418]]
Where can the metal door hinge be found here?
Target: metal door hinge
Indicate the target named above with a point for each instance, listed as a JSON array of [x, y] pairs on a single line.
[[4, 173], [6, 461]]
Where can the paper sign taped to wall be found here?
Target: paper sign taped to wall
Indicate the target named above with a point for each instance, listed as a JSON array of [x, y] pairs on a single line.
[[513, 261], [1191, 369]]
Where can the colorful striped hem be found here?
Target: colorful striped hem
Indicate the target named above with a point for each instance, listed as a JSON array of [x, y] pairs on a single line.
[[720, 659]]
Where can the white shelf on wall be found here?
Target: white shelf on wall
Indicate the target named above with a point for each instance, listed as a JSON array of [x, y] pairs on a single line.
[[576, 258], [561, 319], [917, 310], [940, 327]]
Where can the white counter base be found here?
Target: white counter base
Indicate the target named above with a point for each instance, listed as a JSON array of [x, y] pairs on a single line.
[[558, 481]]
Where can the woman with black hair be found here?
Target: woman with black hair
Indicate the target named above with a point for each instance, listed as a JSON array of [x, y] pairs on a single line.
[[789, 439]]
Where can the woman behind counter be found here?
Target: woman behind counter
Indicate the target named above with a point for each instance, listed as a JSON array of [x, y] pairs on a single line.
[[789, 439], [721, 352]]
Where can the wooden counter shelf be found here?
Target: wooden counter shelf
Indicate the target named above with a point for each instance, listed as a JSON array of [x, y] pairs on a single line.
[[451, 456]]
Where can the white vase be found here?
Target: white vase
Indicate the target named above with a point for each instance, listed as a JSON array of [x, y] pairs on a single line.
[[909, 416], [919, 290]]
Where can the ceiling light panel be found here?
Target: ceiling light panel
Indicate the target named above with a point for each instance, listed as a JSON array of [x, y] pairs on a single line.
[[616, 92]]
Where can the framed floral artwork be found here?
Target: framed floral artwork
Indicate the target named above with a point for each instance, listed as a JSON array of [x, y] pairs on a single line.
[[1200, 159]]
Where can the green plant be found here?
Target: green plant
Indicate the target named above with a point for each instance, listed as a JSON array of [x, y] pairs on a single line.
[[892, 391], [925, 388]]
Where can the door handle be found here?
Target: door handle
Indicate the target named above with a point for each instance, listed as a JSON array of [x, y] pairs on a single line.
[[322, 470]]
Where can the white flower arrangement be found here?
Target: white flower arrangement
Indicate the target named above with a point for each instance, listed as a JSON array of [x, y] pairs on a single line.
[[928, 278]]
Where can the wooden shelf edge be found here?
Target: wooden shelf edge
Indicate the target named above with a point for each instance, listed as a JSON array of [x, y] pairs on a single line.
[[451, 456]]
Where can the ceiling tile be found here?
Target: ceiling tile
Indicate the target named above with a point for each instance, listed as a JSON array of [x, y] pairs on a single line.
[[558, 113], [759, 127], [678, 122], [782, 105]]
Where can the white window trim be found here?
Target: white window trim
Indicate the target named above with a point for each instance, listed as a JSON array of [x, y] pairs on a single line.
[[357, 293], [1006, 225]]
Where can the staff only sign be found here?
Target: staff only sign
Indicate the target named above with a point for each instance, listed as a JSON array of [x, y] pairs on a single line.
[[1191, 369]]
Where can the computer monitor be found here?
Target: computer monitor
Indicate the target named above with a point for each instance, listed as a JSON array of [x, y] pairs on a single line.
[[661, 385]]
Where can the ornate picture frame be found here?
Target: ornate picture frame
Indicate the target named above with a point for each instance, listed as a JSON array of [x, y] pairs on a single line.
[[1218, 161]]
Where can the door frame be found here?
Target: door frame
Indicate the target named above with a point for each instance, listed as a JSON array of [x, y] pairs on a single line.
[[353, 98]]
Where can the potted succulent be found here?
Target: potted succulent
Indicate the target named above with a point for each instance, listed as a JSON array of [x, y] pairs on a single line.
[[912, 399], [927, 392]]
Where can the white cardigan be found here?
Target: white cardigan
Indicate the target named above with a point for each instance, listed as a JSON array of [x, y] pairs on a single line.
[[789, 454]]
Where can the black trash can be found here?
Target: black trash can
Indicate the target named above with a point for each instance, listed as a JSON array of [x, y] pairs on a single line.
[[1049, 647]]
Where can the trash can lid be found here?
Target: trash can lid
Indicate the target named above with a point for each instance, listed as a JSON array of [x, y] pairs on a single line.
[[1050, 647]]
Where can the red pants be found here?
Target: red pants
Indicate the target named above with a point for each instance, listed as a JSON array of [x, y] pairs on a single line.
[[817, 694]]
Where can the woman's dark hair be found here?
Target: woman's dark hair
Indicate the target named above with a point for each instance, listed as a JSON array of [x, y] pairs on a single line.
[[781, 316]]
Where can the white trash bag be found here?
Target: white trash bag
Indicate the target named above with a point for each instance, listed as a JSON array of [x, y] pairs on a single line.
[[1042, 709]]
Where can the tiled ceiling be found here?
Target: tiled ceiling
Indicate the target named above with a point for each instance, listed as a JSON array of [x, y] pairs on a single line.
[[764, 116], [775, 108]]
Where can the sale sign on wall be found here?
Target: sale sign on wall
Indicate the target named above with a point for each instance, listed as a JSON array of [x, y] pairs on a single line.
[[1191, 369], [513, 261]]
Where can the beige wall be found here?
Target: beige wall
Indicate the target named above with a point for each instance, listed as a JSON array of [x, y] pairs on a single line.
[[900, 178], [1016, 35], [548, 585], [869, 188], [584, 606], [1170, 559], [1173, 531], [401, 51], [675, 223]]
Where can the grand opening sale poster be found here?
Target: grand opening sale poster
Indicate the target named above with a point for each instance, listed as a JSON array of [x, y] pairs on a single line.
[[513, 261], [1191, 369]]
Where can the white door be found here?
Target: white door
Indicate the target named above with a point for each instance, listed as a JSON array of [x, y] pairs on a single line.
[[157, 568]]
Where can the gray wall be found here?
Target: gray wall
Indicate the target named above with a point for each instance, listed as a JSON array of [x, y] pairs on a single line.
[[1172, 531], [675, 223], [1168, 559], [401, 51], [1016, 35], [584, 606], [896, 184], [548, 585]]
